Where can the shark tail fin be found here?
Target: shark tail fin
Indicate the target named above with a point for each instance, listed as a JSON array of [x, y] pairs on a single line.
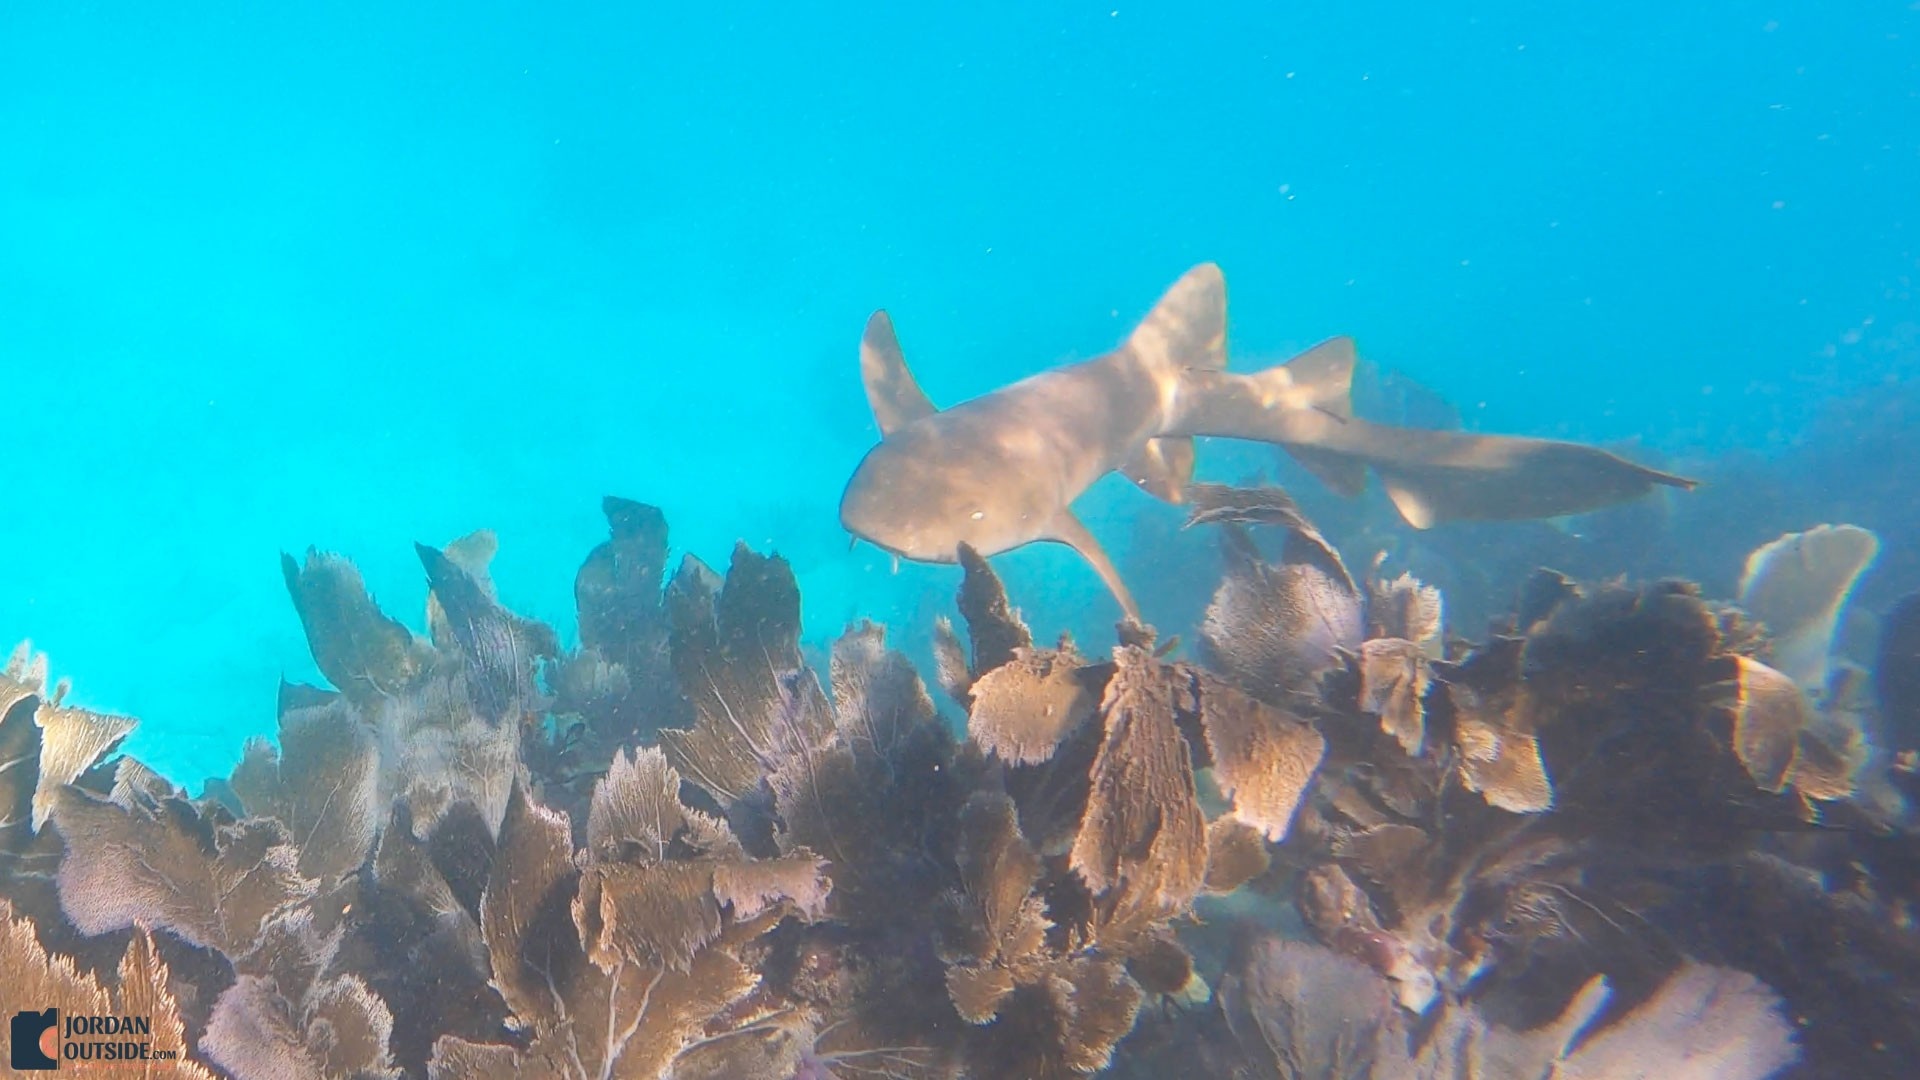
[[1187, 328], [1321, 378]]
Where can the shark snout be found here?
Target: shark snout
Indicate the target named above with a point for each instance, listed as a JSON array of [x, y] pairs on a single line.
[[867, 513], [898, 504]]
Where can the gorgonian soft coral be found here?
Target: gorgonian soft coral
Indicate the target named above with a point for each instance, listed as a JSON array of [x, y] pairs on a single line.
[[683, 849]]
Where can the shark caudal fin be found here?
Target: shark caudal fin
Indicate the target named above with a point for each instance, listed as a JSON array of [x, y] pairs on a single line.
[[1185, 331], [1321, 379]]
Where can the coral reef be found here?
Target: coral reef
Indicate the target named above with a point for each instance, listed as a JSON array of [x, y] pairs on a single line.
[[1631, 831], [1299, 1010], [1896, 674]]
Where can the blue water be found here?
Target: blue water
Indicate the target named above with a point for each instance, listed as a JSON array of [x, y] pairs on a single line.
[[355, 274]]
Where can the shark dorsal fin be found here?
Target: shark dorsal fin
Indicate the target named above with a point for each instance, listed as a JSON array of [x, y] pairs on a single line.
[[895, 397], [1187, 328]]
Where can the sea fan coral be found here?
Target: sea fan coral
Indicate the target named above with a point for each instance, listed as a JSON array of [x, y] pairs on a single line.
[[615, 963], [1300, 1011], [684, 849], [1797, 585], [140, 989]]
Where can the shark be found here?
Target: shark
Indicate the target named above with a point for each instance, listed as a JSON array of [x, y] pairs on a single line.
[[1002, 470]]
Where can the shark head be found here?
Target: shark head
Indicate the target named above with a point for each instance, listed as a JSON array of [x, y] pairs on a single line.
[[909, 498]]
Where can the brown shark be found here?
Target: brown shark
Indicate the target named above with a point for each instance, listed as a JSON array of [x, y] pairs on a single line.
[[1002, 470]]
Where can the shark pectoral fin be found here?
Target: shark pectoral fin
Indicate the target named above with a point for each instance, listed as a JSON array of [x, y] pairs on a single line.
[[1413, 506], [1163, 467], [1341, 473], [1066, 529], [895, 397], [1667, 479]]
